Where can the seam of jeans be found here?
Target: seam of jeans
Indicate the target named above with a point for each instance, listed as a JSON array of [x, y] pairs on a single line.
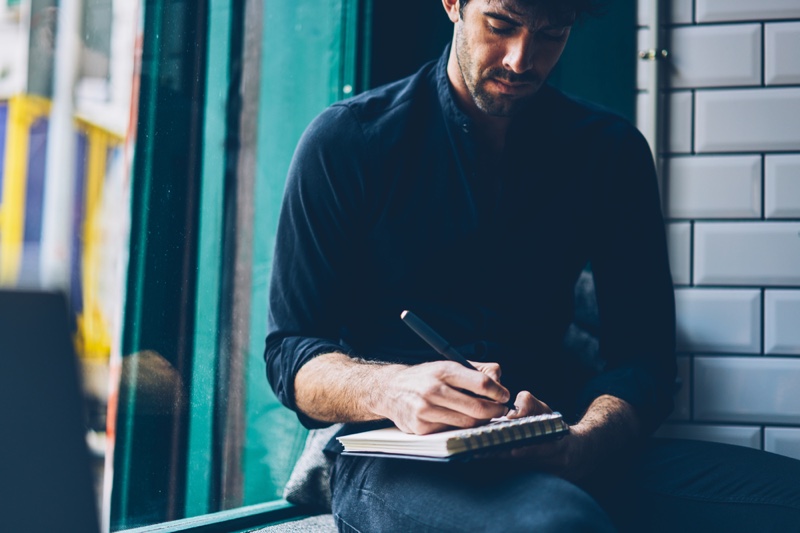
[[341, 521], [700, 497], [386, 504]]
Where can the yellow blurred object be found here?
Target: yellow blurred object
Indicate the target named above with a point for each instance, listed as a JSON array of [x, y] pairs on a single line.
[[93, 339], [23, 112]]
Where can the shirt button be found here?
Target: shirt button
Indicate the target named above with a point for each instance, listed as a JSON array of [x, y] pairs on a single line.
[[465, 127]]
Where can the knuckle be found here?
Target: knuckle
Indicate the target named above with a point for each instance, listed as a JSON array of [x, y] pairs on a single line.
[[434, 388], [485, 382], [493, 367], [419, 405], [440, 371]]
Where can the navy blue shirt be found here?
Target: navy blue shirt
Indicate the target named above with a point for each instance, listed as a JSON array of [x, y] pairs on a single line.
[[391, 203]]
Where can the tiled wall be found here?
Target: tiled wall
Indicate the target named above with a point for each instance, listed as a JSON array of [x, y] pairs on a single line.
[[731, 178]]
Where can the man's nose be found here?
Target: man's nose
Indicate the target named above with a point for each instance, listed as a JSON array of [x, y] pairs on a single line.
[[519, 55]]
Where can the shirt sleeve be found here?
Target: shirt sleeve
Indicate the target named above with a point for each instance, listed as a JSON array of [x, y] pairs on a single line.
[[633, 283], [317, 227]]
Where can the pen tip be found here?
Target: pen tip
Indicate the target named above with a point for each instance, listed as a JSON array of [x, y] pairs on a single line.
[[403, 314]]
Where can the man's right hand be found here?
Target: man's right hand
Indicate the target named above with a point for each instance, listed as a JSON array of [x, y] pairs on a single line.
[[440, 395], [420, 399]]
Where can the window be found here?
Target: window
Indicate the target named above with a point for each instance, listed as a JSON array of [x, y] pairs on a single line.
[[197, 428], [172, 215]]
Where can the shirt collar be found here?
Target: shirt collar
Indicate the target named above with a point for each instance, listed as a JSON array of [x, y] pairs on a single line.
[[447, 98]]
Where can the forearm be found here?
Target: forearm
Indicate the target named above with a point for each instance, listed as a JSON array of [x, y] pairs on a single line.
[[608, 426], [334, 387]]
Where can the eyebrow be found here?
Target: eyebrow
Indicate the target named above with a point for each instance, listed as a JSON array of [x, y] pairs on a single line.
[[501, 17], [510, 20]]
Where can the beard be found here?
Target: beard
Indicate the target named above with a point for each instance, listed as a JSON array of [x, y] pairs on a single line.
[[477, 82]]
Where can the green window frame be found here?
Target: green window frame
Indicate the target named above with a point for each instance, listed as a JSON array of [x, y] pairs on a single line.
[[214, 142]]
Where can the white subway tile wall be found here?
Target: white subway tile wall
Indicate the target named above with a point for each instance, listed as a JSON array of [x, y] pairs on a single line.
[[736, 10], [785, 441], [781, 57], [679, 241], [747, 120], [747, 389], [749, 436], [747, 253], [715, 56], [681, 12], [713, 187], [782, 187], [718, 320], [679, 123], [782, 319], [731, 178]]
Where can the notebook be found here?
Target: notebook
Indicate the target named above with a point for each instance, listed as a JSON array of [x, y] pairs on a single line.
[[45, 471], [457, 444]]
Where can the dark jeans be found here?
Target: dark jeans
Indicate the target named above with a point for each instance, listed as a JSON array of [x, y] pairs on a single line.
[[673, 485]]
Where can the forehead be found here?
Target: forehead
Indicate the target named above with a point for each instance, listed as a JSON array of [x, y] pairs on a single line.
[[531, 12]]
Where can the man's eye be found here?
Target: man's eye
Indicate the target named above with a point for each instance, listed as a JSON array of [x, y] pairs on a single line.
[[500, 30], [554, 35]]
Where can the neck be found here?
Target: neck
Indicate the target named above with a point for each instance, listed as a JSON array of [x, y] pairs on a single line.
[[491, 129]]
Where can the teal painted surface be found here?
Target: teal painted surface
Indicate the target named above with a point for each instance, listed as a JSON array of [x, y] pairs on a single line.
[[200, 453], [303, 70], [149, 460], [137, 267]]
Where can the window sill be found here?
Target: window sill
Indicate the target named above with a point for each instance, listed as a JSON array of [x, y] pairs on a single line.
[[232, 521]]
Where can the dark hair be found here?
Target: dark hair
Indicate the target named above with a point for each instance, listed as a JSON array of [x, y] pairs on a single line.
[[560, 12]]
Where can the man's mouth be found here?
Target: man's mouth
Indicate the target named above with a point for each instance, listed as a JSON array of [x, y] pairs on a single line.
[[512, 88]]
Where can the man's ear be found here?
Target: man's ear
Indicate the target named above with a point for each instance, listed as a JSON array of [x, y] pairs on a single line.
[[451, 6]]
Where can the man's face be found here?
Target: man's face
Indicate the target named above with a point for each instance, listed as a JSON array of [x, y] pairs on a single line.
[[505, 51]]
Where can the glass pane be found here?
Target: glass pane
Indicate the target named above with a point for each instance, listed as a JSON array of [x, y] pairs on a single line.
[[65, 178], [164, 251], [41, 47]]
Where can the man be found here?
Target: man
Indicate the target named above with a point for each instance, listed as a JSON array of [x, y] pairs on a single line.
[[473, 194]]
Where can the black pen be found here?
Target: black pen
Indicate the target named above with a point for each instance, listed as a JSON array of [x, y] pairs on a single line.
[[439, 344]]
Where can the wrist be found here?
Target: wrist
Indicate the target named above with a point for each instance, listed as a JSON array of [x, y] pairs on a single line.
[[380, 400]]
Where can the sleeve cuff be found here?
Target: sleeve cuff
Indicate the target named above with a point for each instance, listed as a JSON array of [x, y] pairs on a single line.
[[284, 361], [652, 401]]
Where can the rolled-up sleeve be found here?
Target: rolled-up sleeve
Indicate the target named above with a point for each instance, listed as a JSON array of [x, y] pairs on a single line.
[[317, 228]]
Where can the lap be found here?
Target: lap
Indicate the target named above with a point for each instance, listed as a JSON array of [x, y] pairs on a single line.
[[673, 485], [373, 494]]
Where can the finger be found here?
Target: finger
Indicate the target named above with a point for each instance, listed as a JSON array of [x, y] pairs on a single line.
[[490, 369], [433, 418], [528, 405], [473, 381], [461, 401]]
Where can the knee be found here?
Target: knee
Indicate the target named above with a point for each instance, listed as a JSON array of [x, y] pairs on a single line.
[[559, 506]]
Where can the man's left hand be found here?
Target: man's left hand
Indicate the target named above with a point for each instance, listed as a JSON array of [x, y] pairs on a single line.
[[607, 425]]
